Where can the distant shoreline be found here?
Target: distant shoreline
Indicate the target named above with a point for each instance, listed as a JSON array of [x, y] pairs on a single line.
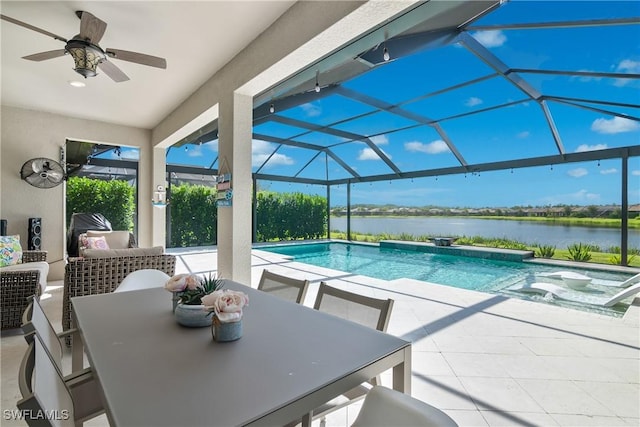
[[564, 221]]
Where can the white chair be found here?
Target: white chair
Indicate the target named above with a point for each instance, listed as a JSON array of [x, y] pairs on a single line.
[[384, 407], [566, 294], [143, 279], [81, 382], [372, 312], [46, 399], [284, 287]]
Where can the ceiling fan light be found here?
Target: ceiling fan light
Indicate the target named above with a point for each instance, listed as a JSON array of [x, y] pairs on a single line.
[[86, 57]]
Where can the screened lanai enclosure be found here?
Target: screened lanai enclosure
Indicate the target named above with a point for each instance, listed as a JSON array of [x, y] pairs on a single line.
[[496, 97]]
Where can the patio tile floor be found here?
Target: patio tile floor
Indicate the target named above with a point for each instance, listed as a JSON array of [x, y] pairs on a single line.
[[484, 359]]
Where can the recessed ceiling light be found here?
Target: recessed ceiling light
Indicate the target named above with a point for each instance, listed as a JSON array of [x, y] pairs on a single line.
[[76, 83]]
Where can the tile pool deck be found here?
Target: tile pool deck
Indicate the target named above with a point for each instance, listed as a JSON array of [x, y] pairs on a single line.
[[486, 360]]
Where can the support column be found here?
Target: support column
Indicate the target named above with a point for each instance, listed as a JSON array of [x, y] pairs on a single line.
[[235, 129], [158, 214], [624, 229]]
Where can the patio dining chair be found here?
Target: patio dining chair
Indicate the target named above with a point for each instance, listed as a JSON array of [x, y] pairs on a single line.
[[46, 392], [385, 407], [284, 287], [143, 279], [81, 382], [372, 312]]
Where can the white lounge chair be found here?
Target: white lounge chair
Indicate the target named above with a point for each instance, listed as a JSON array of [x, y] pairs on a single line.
[[577, 281], [570, 278], [566, 294], [630, 281]]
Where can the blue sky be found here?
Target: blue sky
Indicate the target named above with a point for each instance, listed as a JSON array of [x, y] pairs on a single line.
[[508, 133]]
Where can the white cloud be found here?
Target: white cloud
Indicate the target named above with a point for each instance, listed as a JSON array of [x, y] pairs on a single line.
[[492, 38], [194, 150], [614, 125], [635, 173], [260, 152], [626, 66], [379, 139], [126, 154], [369, 154], [577, 172], [434, 147], [523, 134], [311, 110], [586, 147], [609, 171], [473, 101], [586, 79], [579, 197]]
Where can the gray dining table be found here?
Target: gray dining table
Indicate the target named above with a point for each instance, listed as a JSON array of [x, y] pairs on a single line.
[[290, 360]]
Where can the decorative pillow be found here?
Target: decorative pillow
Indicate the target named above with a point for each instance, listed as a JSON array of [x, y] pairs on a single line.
[[10, 250], [97, 243], [115, 239]]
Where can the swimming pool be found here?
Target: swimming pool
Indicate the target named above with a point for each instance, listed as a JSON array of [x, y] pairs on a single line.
[[484, 275]]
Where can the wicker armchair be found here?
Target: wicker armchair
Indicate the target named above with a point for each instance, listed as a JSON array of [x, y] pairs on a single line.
[[91, 276], [16, 287]]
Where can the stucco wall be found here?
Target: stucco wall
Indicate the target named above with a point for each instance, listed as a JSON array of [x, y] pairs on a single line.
[[26, 134]]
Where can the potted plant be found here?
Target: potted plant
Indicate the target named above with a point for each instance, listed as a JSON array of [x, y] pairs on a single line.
[[188, 291]]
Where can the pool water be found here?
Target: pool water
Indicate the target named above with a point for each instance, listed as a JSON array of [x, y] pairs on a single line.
[[484, 275]]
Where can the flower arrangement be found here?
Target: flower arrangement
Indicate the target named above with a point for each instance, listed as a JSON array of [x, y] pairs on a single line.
[[226, 304], [189, 289]]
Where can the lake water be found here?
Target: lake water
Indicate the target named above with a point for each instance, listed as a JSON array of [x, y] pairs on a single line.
[[559, 236]]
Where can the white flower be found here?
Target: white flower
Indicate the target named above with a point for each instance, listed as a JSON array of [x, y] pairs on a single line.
[[182, 282], [226, 304]]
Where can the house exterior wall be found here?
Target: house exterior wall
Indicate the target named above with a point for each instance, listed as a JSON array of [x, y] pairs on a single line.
[[26, 134]]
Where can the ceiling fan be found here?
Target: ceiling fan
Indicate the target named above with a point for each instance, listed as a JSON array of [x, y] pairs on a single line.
[[87, 53]]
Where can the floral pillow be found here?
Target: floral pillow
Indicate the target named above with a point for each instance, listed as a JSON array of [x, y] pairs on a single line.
[[97, 243], [10, 250]]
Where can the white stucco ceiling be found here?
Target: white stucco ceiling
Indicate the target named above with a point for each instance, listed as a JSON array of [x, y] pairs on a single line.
[[196, 38]]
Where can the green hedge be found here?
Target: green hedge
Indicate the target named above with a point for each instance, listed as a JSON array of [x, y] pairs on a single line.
[[193, 212], [280, 216], [288, 216], [194, 216], [113, 199]]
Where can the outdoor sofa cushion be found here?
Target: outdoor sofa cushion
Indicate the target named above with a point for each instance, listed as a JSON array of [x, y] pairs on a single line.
[[41, 266], [108, 253]]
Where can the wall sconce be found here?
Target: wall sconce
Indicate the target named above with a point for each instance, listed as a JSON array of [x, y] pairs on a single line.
[[160, 197]]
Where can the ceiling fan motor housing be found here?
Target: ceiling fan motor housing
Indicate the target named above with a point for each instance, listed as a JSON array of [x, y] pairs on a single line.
[[86, 56]]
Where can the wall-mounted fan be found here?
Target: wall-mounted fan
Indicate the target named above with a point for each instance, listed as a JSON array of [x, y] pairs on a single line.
[[86, 53], [42, 173]]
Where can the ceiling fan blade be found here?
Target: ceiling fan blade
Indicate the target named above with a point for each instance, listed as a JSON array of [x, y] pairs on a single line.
[[33, 28], [43, 56], [111, 70], [138, 58], [91, 28]]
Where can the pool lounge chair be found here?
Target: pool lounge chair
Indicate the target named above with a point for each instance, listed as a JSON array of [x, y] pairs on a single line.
[[566, 294], [577, 280], [570, 278], [630, 281]]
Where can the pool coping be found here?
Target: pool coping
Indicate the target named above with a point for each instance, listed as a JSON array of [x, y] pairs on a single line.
[[460, 250]]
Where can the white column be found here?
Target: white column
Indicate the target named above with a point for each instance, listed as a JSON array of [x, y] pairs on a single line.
[[234, 222], [158, 215]]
